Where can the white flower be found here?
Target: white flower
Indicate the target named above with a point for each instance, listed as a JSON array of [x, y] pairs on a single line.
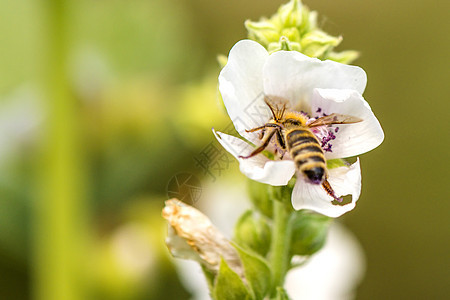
[[331, 274], [314, 87]]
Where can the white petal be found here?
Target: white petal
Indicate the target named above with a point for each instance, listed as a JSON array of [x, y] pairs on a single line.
[[343, 180], [240, 83], [259, 167], [294, 76], [351, 139], [331, 274]]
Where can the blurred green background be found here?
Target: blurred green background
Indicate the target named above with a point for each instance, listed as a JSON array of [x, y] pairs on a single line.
[[103, 102]]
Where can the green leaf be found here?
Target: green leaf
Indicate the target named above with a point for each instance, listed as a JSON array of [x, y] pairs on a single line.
[[209, 275], [253, 232], [229, 285], [281, 294], [256, 271], [309, 232]]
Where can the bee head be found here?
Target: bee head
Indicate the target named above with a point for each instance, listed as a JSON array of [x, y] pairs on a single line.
[[315, 175]]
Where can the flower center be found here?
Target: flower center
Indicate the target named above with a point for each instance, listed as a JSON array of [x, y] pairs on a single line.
[[325, 134]]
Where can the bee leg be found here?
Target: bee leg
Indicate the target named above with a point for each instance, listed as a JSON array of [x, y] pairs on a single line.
[[281, 142], [263, 132], [326, 185], [262, 147], [255, 129], [262, 127], [280, 139]]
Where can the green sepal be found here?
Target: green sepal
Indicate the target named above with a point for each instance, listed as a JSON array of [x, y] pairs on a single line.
[[210, 276], [257, 272], [336, 163], [228, 285], [290, 14], [263, 32], [318, 44], [283, 193], [259, 195], [309, 232], [281, 294], [344, 57], [253, 232]]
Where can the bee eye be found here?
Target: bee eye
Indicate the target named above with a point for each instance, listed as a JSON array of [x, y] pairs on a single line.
[[315, 175]]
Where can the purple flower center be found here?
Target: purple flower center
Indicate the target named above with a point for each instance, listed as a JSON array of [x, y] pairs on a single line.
[[329, 135]]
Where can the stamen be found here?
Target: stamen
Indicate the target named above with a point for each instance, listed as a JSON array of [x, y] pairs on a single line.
[[305, 114], [319, 110], [326, 146]]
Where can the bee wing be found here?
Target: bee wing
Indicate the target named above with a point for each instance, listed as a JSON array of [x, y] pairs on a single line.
[[334, 119], [277, 105]]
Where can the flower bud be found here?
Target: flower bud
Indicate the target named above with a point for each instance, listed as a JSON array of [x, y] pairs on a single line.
[[263, 32], [291, 14], [294, 28], [259, 195], [317, 43], [253, 233], [309, 232], [193, 236]]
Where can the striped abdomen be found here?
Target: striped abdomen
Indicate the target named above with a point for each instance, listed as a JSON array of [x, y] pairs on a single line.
[[307, 153]]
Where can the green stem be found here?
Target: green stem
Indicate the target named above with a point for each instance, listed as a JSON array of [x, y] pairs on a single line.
[[281, 239], [59, 215]]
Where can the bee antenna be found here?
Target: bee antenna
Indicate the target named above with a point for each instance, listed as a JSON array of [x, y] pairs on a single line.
[[326, 185]]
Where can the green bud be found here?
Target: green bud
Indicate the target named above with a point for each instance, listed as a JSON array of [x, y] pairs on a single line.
[[259, 195], [290, 14], [285, 45], [292, 34], [263, 32], [294, 28], [310, 21], [317, 43], [309, 232], [252, 232]]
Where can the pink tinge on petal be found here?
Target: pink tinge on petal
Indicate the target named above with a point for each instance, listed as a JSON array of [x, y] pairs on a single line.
[[258, 167], [343, 180]]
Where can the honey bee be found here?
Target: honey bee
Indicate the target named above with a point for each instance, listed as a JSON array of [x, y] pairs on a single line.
[[292, 130]]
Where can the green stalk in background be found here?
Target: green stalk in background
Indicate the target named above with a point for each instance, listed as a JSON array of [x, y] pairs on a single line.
[[59, 219]]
